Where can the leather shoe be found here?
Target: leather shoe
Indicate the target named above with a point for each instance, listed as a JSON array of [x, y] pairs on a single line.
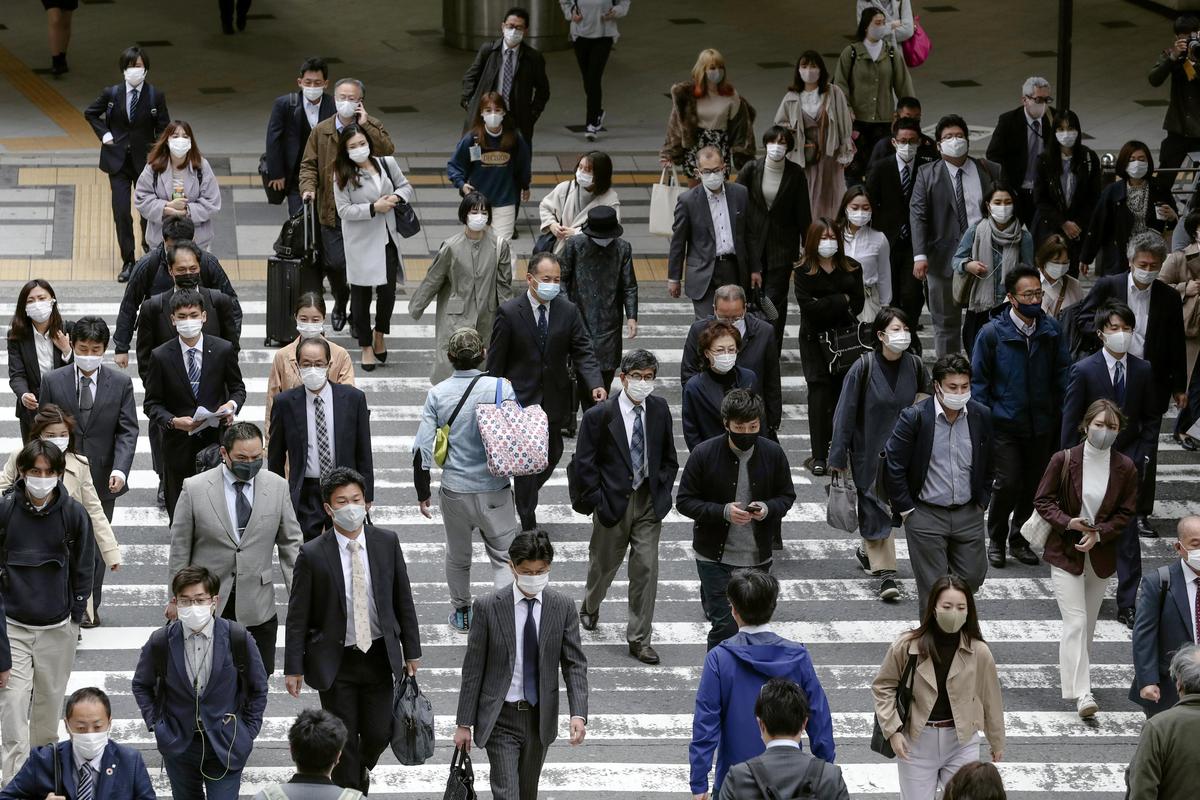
[[1023, 553], [94, 622], [1187, 443], [1143, 527], [1125, 617], [588, 621], [338, 320], [996, 555], [643, 653], [126, 271], [162, 497]]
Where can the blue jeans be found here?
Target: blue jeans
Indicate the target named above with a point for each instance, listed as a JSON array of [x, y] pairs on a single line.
[[714, 583], [190, 780]]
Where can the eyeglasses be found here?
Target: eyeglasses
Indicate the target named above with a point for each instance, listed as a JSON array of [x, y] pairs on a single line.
[[1033, 295], [1041, 101], [724, 351], [188, 602], [717, 171]]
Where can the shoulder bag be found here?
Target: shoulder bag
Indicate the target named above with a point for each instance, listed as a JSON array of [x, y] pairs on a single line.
[[841, 347], [917, 47], [904, 692], [1036, 529], [663, 197], [407, 224], [441, 439], [517, 440]]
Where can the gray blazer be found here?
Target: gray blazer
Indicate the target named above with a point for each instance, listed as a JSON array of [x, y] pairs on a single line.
[[491, 653], [202, 533], [933, 217], [364, 234], [784, 768], [302, 787], [693, 240]]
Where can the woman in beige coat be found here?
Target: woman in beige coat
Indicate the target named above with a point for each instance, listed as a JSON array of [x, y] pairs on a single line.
[[955, 693], [1181, 271], [565, 208], [470, 277], [56, 425]]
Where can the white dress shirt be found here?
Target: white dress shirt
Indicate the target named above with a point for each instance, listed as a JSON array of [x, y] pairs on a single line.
[[44, 346], [783, 743], [1111, 361], [313, 465], [516, 687], [628, 416], [199, 348], [1189, 582], [535, 305], [231, 495], [718, 207], [312, 111], [343, 543], [972, 189], [1139, 301], [198, 654]]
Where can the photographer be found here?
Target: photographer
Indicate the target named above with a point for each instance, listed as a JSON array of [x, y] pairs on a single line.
[[1181, 62]]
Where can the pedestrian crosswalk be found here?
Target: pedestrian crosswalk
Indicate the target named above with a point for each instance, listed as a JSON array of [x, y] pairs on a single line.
[[641, 716]]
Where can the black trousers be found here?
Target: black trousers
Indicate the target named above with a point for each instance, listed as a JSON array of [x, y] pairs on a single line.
[[361, 697], [98, 566], [868, 134], [973, 322], [515, 754], [310, 511], [243, 6], [333, 263], [592, 57], [1172, 152], [179, 462], [264, 634], [1018, 465], [385, 301], [526, 487], [776, 285], [155, 436], [121, 184], [1025, 207], [1148, 484], [822, 400], [908, 293], [1129, 546]]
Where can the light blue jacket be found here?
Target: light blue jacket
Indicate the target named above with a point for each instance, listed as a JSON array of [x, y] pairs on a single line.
[[465, 469]]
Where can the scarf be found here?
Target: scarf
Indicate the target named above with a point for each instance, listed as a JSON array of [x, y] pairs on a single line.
[[988, 237]]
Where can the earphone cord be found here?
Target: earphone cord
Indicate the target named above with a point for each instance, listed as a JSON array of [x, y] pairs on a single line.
[[204, 737]]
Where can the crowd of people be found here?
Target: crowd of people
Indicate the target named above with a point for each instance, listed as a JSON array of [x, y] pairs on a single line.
[[1035, 424]]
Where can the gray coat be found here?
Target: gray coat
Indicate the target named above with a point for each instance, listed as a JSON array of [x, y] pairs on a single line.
[[600, 281], [860, 435], [468, 291], [364, 234]]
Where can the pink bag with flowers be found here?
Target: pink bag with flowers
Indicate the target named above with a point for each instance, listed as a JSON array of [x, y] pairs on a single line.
[[517, 440]]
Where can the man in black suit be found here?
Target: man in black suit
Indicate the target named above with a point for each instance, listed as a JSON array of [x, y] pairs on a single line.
[[127, 118], [759, 352], [515, 70], [1117, 375], [906, 108], [314, 428], [351, 628], [1018, 140], [293, 117], [625, 466], [533, 335], [189, 373], [106, 424], [890, 183], [1157, 337]]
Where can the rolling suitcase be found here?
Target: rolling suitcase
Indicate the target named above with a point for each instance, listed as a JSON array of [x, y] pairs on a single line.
[[290, 273]]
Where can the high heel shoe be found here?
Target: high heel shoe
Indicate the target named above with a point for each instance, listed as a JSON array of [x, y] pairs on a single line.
[[381, 357], [368, 367]]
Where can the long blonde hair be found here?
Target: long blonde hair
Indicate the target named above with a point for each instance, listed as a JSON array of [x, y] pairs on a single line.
[[710, 58]]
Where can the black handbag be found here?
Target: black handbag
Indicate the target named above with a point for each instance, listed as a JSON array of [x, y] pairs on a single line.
[[544, 243], [904, 692], [841, 347], [407, 224], [461, 783]]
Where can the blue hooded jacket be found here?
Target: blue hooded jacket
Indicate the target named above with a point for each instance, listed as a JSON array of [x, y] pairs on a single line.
[[734, 672]]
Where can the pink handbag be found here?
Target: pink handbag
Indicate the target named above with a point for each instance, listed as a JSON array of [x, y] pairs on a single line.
[[917, 47], [517, 440]]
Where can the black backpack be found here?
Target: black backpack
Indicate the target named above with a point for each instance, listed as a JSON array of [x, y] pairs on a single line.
[[808, 784], [239, 643]]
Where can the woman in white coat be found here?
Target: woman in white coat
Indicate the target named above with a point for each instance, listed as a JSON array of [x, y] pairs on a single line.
[[869, 248], [367, 189], [177, 181], [565, 209]]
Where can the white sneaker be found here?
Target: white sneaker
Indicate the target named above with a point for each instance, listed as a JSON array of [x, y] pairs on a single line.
[[1086, 706], [591, 133]]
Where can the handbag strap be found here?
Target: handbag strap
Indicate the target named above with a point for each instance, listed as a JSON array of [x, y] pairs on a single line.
[[462, 400]]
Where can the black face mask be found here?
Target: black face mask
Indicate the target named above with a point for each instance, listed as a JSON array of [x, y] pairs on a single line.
[[742, 441], [190, 281], [245, 470]]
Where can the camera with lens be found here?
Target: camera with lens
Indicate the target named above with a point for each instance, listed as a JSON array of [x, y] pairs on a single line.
[[1193, 48]]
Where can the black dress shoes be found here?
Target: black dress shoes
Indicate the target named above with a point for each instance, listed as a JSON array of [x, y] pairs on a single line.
[[1125, 617], [1143, 527], [996, 555], [338, 320], [588, 621], [1022, 552], [93, 622], [126, 271], [643, 653]]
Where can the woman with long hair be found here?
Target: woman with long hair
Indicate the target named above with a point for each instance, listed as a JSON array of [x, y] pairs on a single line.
[[869, 248], [1067, 186], [707, 111], [37, 343], [177, 181]]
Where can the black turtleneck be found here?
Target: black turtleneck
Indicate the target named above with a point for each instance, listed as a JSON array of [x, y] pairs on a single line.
[[724, 381], [946, 645]]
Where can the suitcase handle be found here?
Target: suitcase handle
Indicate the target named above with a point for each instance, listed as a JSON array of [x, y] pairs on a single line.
[[310, 229]]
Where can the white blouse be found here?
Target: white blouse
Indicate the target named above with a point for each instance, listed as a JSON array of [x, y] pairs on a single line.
[[871, 250]]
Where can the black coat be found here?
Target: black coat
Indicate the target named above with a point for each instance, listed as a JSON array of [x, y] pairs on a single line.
[[24, 372], [774, 235], [132, 139], [1009, 145], [601, 282], [315, 631], [169, 393], [889, 202], [288, 441], [909, 449], [287, 134], [539, 376], [1112, 223], [1089, 381], [603, 463], [1052, 206], [709, 482], [530, 86], [154, 323], [702, 398], [759, 354], [827, 301]]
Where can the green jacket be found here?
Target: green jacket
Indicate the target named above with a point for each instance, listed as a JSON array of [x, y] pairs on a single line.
[[1165, 764], [873, 87]]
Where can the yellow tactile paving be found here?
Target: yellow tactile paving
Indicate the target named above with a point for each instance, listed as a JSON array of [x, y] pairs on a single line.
[[77, 132]]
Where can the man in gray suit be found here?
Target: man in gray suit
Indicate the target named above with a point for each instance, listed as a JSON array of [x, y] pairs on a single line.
[[315, 740], [782, 712], [509, 694], [229, 519], [947, 198], [709, 236]]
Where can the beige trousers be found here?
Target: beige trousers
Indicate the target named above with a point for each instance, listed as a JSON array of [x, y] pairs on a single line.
[[31, 704]]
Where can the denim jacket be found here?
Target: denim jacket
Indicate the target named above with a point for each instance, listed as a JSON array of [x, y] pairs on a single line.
[[465, 469]]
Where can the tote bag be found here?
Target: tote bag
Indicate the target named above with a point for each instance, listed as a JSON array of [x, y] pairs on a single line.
[[663, 196], [517, 440], [918, 46]]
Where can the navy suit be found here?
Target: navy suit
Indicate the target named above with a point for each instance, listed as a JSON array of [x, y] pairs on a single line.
[[1161, 626], [910, 447], [287, 134], [122, 775], [759, 353]]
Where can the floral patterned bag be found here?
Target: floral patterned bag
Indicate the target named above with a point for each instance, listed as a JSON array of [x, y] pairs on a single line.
[[517, 440]]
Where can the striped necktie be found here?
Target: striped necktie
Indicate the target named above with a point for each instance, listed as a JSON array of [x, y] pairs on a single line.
[[960, 201], [134, 96], [324, 457], [637, 448], [193, 370], [906, 190], [506, 78], [87, 784]]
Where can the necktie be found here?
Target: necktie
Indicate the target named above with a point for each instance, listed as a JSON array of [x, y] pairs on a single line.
[[324, 457], [86, 784], [1119, 383], [1196, 629], [193, 369], [243, 508], [543, 325], [510, 66], [906, 188], [529, 652], [960, 201], [637, 448], [358, 593], [85, 399], [134, 96]]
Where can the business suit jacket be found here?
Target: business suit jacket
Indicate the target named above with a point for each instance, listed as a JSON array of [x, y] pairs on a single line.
[[24, 372], [785, 768], [910, 447], [1052, 206], [123, 774], [530, 86], [491, 655], [202, 533], [1165, 347], [154, 323], [132, 138], [603, 464], [316, 618], [287, 133], [169, 393], [1161, 626], [1089, 381], [694, 239], [539, 376], [889, 202], [1111, 226], [775, 234], [759, 354], [933, 215], [172, 718], [109, 436], [351, 443], [1009, 145]]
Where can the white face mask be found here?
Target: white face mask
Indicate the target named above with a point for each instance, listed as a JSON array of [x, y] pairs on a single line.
[[189, 328], [1137, 169], [954, 147], [584, 179], [310, 330], [638, 390], [876, 32], [810, 74], [1192, 557], [714, 75], [1101, 438], [1000, 213], [712, 180], [359, 155], [1056, 269], [723, 362], [1144, 276], [313, 378], [60, 442], [906, 152], [1118, 342], [1035, 110], [89, 745], [532, 584], [827, 248], [493, 119], [312, 93], [477, 222], [40, 487], [1067, 138], [955, 402], [347, 108], [513, 37], [194, 618], [350, 518], [135, 75], [776, 152], [897, 341], [88, 363], [859, 218], [180, 146], [39, 311]]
